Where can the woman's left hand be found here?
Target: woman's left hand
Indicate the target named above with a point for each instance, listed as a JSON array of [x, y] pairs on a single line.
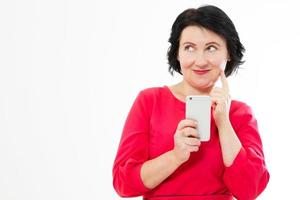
[[221, 101]]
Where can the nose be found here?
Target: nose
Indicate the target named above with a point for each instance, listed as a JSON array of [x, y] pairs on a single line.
[[201, 60]]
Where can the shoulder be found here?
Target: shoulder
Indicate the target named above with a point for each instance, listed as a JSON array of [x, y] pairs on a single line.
[[152, 93], [149, 95], [240, 111], [158, 97], [241, 114], [147, 98], [239, 108]]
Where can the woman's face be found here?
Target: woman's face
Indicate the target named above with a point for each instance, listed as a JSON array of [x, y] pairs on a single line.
[[201, 54]]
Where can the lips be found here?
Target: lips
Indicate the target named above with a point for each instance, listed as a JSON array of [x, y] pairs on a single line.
[[201, 72]]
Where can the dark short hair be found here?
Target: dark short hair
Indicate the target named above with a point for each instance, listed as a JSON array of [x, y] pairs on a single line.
[[214, 19]]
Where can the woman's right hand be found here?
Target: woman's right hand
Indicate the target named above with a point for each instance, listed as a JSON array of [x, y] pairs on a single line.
[[186, 140]]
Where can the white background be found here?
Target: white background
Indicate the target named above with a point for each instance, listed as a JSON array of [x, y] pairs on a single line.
[[70, 70]]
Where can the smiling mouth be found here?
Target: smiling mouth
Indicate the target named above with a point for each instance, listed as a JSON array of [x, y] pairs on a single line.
[[201, 72]]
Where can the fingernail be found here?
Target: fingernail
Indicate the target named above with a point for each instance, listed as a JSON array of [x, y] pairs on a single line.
[[223, 65]]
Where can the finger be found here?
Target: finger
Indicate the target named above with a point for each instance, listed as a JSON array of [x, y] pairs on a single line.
[[223, 65], [193, 148], [215, 94], [224, 81], [217, 89], [214, 99], [218, 100], [190, 132], [187, 123], [219, 93], [192, 141], [213, 105]]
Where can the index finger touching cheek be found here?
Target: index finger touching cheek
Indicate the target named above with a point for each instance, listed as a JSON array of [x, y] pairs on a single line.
[[224, 81]]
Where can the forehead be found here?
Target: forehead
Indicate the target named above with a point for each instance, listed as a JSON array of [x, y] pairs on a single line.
[[200, 35]]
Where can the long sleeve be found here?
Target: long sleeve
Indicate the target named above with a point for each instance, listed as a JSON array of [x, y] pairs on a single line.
[[247, 177], [133, 150]]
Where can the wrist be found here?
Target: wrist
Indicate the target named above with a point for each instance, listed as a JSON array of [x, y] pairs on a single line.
[[223, 123], [175, 159]]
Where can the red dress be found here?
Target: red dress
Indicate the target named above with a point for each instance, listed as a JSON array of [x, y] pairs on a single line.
[[148, 133]]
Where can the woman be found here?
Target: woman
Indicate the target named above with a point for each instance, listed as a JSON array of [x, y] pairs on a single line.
[[160, 154]]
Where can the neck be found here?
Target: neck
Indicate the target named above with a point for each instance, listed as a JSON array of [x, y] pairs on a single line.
[[187, 89]]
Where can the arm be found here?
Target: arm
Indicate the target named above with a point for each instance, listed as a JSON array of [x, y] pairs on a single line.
[[186, 140], [155, 171], [230, 143], [247, 176], [133, 173], [132, 151]]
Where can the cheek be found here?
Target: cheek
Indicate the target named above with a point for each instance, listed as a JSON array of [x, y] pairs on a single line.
[[215, 75], [218, 64], [216, 69], [186, 61]]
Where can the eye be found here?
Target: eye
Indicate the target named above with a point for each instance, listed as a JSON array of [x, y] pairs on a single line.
[[189, 48], [211, 48]]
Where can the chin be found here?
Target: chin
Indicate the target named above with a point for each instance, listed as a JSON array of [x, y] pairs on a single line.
[[205, 85]]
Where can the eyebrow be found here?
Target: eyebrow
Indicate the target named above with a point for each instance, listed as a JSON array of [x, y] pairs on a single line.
[[207, 44], [189, 43]]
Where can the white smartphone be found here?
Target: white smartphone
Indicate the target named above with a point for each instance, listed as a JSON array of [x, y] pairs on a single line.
[[198, 107]]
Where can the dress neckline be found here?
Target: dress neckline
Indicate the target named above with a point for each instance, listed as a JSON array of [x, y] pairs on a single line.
[[173, 96]]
